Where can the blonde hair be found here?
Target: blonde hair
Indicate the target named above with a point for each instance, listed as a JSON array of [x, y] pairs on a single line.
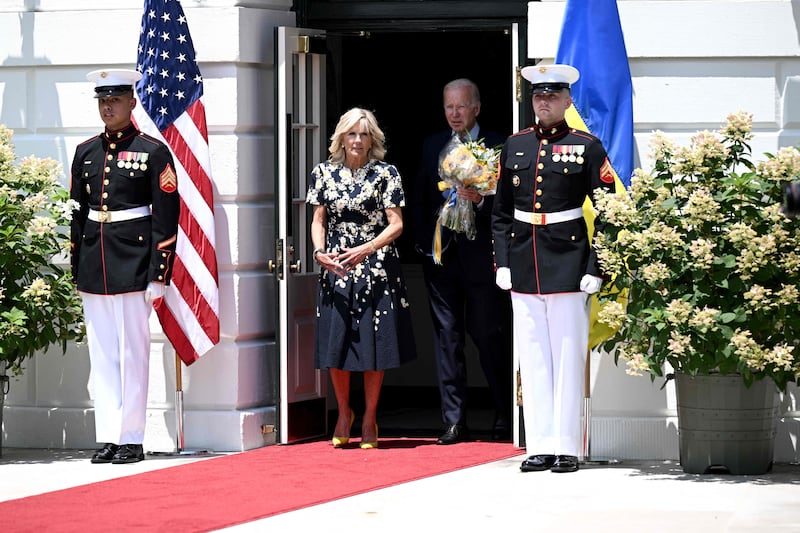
[[346, 123]]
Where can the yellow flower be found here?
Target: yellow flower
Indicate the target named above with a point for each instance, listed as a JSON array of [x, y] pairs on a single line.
[[739, 127], [678, 311], [39, 290], [703, 247], [469, 165]]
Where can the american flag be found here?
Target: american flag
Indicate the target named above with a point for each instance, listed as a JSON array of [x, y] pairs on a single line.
[[170, 92]]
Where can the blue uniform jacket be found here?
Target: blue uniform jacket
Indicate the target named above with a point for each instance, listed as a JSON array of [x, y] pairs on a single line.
[[116, 171], [547, 170]]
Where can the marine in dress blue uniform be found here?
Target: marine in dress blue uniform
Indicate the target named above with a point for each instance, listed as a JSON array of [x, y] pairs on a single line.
[[123, 237], [543, 255]]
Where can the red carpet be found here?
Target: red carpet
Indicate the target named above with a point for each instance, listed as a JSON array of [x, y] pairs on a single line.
[[224, 491]]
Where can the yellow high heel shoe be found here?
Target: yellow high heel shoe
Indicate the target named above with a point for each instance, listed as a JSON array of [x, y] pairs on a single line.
[[338, 442], [368, 445]]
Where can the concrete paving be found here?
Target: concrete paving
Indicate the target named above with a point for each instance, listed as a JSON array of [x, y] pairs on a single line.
[[630, 496]]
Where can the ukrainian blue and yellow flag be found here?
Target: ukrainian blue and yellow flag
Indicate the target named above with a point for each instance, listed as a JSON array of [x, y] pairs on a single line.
[[592, 41]]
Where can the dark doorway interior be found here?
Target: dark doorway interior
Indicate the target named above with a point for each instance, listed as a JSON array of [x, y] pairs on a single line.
[[399, 75]]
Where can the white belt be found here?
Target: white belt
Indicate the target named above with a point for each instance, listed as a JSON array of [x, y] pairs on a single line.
[[542, 219], [120, 215]]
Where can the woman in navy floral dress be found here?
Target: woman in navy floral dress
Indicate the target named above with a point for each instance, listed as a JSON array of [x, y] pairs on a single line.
[[363, 317]]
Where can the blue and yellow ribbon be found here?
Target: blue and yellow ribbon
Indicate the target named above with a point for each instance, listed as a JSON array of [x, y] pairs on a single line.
[[450, 201]]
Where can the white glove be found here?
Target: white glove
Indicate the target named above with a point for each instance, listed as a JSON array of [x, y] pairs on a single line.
[[503, 279], [590, 284], [153, 292]]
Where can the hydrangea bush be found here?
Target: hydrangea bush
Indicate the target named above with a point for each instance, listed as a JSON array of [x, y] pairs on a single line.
[[39, 305], [710, 264]]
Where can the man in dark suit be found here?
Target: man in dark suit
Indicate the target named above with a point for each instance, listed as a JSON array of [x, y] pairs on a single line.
[[123, 235], [463, 296]]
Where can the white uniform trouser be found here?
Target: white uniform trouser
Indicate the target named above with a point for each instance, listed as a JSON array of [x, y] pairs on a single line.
[[118, 333], [551, 337]]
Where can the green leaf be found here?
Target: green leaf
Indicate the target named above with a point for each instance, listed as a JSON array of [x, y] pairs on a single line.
[[756, 257]]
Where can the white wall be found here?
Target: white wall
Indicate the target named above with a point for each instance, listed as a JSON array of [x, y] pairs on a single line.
[[46, 49], [692, 63]]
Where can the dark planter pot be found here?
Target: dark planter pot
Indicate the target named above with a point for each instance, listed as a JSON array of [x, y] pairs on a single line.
[[724, 426]]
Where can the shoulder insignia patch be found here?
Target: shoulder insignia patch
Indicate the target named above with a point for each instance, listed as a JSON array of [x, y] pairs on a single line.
[[168, 180], [607, 172]]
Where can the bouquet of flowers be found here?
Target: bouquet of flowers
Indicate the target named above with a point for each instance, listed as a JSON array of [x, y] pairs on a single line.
[[469, 165]]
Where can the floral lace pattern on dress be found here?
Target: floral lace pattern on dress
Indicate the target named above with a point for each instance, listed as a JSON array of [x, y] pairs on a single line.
[[373, 295]]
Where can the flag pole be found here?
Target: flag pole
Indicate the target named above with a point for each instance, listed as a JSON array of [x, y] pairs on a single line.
[[587, 407], [179, 440], [587, 418], [178, 404]]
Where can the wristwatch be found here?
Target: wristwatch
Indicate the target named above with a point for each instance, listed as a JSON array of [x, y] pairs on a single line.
[[315, 252]]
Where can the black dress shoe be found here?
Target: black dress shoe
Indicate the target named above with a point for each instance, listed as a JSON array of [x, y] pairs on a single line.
[[565, 463], [455, 433], [105, 454], [537, 463], [128, 453]]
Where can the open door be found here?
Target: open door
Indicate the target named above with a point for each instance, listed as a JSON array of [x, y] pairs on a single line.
[[300, 144], [519, 112]]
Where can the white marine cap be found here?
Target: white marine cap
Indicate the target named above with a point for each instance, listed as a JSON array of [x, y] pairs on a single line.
[[550, 78], [113, 81]]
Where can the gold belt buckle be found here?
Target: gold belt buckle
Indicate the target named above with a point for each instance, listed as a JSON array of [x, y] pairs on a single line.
[[103, 216], [537, 219]]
